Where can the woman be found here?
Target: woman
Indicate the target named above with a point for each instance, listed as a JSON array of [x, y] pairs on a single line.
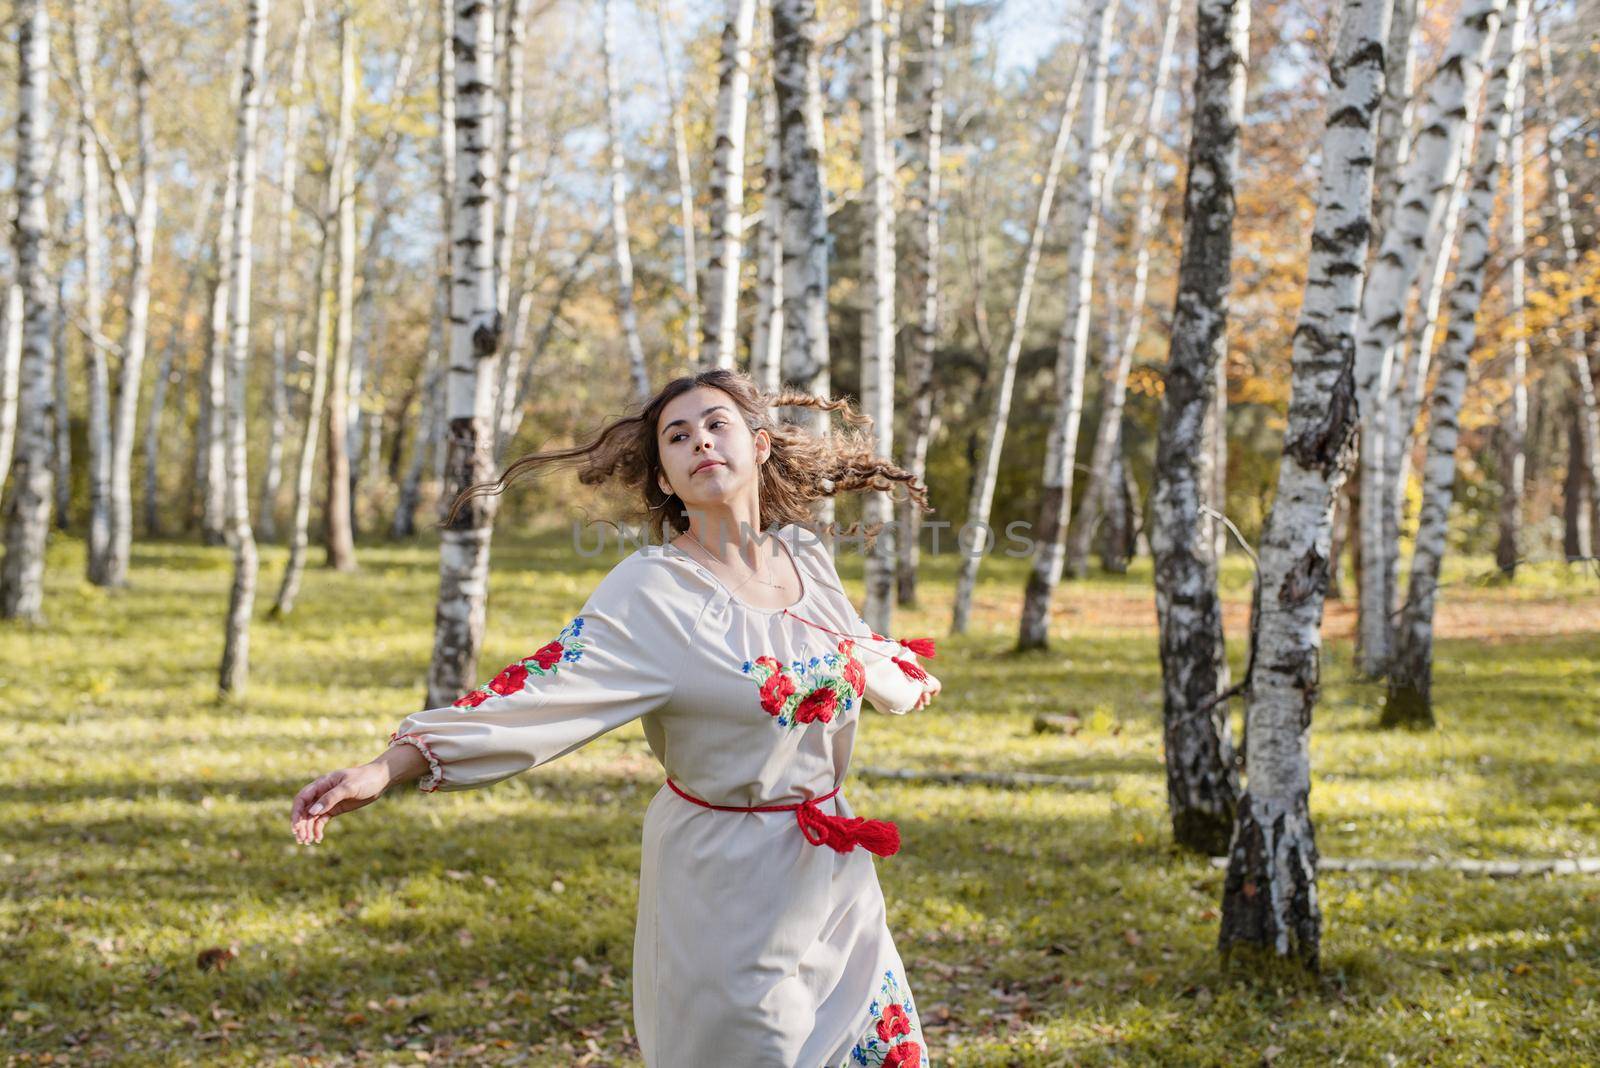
[[761, 937]]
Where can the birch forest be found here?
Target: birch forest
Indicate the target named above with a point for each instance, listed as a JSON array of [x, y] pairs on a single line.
[[1248, 352]]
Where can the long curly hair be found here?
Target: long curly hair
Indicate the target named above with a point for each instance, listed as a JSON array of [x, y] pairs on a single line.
[[801, 467]]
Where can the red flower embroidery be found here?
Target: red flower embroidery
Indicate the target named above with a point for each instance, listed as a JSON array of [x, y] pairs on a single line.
[[776, 691], [549, 655], [854, 673], [894, 1022], [818, 704], [510, 680], [471, 700], [905, 1055]]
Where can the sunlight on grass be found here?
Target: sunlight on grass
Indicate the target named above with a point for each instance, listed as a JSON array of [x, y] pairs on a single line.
[[147, 824]]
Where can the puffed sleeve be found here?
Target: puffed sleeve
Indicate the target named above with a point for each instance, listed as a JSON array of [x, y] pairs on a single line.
[[617, 660], [888, 687]]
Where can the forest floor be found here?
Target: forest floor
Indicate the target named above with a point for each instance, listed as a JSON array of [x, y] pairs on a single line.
[[146, 824]]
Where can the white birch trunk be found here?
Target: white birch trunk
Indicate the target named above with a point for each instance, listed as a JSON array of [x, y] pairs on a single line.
[[288, 168], [686, 214], [1072, 353], [925, 205], [1105, 461], [1394, 120], [10, 374], [27, 506], [988, 473], [797, 83], [136, 328], [214, 487], [338, 535], [1403, 401], [474, 347], [878, 320], [1514, 420], [1411, 677], [720, 345], [1269, 897], [85, 35], [234, 673], [510, 132], [1202, 784], [619, 206], [766, 343], [1420, 208]]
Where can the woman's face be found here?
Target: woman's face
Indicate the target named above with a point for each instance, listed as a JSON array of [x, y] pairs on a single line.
[[709, 457]]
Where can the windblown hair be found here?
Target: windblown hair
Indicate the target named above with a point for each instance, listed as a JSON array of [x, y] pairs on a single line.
[[802, 467]]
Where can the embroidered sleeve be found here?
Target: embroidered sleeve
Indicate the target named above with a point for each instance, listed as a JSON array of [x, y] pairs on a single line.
[[616, 661]]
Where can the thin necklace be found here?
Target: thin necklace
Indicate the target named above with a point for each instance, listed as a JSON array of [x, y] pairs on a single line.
[[752, 575]]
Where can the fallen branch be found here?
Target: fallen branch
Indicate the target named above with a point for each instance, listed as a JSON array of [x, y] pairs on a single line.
[[1499, 869], [987, 778]]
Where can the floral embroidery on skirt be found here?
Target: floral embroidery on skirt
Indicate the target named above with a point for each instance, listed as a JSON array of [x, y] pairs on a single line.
[[893, 1038]]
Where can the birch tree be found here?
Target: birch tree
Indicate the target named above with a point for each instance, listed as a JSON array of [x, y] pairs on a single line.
[[288, 168], [27, 505], [798, 89], [1104, 487], [1426, 178], [719, 346], [924, 204], [1514, 420], [85, 47], [878, 318], [338, 537], [685, 176], [1072, 352], [766, 341], [988, 473], [235, 670], [1269, 896], [1202, 784], [10, 373], [139, 211], [213, 455], [619, 204], [1411, 678], [474, 346]]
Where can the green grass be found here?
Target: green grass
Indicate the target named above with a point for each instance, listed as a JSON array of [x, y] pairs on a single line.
[[145, 822]]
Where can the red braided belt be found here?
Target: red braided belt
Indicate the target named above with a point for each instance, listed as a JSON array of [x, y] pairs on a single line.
[[876, 836]]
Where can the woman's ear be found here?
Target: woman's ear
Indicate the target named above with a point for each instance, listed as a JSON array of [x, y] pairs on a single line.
[[763, 446]]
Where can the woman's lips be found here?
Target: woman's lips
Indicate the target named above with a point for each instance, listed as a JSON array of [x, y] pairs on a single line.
[[707, 465]]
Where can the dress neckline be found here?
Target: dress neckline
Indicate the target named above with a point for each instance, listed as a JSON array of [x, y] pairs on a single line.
[[805, 584]]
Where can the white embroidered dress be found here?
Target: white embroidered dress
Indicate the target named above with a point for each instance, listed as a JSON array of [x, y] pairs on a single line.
[[759, 944]]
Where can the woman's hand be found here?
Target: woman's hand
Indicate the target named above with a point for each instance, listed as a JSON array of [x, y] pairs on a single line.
[[930, 690], [334, 794]]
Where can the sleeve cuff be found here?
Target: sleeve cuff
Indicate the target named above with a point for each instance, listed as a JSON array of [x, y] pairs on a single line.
[[429, 782]]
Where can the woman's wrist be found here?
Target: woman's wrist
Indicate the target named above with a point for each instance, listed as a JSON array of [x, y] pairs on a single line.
[[400, 764]]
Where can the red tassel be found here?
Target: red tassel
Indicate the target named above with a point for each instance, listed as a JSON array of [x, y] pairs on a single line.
[[912, 671], [920, 646], [843, 835]]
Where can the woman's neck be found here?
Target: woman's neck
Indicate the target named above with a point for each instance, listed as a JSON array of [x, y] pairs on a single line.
[[727, 533]]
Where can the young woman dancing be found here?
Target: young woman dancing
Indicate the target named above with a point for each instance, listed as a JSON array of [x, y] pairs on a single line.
[[761, 939]]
